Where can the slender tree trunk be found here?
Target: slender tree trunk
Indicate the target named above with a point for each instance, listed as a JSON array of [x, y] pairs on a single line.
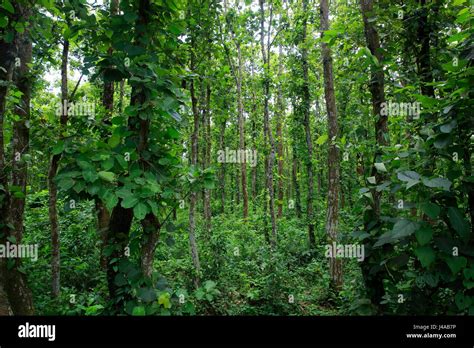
[[240, 107], [423, 60], [266, 125], [207, 158], [19, 294], [307, 127], [296, 183], [333, 153], [151, 234], [53, 190], [121, 218], [374, 282], [103, 215], [279, 121], [193, 196], [7, 59], [222, 166]]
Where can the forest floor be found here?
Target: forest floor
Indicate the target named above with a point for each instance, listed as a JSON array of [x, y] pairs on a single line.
[[240, 273]]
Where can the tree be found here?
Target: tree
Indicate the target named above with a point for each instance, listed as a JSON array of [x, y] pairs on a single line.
[[333, 153]]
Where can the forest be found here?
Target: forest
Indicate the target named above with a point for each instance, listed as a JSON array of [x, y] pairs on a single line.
[[257, 157]]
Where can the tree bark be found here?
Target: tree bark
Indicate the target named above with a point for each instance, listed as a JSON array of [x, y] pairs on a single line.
[[374, 282], [222, 166], [266, 125], [240, 107], [7, 59], [307, 129], [193, 196], [207, 158], [53, 190], [16, 284], [333, 153], [279, 121]]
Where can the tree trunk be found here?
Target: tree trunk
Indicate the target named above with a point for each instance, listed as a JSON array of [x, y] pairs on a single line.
[[7, 59], [103, 215], [296, 183], [279, 120], [333, 153], [307, 129], [53, 190], [193, 196], [266, 125], [374, 282], [207, 158], [222, 166], [16, 287], [240, 107]]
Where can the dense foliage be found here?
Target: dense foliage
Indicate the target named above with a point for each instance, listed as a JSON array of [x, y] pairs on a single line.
[[203, 157]]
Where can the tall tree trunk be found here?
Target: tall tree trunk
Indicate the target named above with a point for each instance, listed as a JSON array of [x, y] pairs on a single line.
[[296, 183], [266, 124], [374, 282], [423, 60], [7, 59], [121, 218], [53, 190], [222, 166], [279, 121], [307, 128], [193, 196], [16, 287], [333, 153], [240, 107], [103, 215], [207, 157]]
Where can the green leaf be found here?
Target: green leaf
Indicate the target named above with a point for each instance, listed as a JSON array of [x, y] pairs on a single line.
[[3, 22], [140, 210], [431, 209], [107, 176], [456, 263], [58, 148], [443, 183], [114, 141], [138, 311], [66, 184], [459, 223], [89, 175], [442, 140], [426, 255], [146, 294], [209, 184], [110, 200], [468, 284], [469, 273], [380, 167], [129, 202], [164, 300], [172, 133], [120, 280], [402, 228], [322, 139], [7, 5], [372, 180], [410, 177], [462, 301], [448, 127], [424, 235]]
